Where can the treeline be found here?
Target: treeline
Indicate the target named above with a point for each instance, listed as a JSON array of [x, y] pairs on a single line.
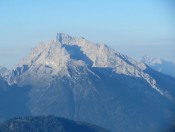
[[47, 124]]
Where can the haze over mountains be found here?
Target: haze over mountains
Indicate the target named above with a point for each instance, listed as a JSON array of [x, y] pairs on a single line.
[[74, 78], [161, 65]]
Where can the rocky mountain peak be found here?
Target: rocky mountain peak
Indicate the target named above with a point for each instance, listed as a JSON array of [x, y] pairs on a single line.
[[50, 54], [57, 57], [64, 38]]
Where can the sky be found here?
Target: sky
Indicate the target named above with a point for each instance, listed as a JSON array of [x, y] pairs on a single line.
[[135, 28]]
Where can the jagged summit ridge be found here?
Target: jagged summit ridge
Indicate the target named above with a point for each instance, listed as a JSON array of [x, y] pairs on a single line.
[[55, 58], [65, 38], [100, 54], [103, 56]]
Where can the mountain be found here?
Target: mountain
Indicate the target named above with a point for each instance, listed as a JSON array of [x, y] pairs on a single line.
[[47, 124], [161, 65], [74, 78]]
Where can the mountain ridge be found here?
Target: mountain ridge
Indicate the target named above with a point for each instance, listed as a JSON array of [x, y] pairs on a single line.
[[94, 55]]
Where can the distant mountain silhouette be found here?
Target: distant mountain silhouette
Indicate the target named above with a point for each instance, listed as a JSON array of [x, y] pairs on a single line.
[[161, 65]]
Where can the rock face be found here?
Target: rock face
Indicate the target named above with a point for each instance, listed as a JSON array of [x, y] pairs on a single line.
[[47, 124], [77, 79], [161, 65]]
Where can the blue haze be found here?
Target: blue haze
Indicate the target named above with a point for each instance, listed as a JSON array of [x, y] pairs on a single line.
[[136, 28]]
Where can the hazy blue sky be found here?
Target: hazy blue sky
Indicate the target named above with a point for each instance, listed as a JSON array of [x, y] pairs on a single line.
[[133, 27]]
